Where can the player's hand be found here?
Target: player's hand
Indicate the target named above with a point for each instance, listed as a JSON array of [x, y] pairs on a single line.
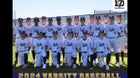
[[119, 35], [14, 42]]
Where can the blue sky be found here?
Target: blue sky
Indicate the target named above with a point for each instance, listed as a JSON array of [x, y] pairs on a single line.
[[52, 8]]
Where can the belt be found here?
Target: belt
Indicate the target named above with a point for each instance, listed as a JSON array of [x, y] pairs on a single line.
[[90, 35], [22, 51], [111, 37], [122, 36], [18, 37], [68, 53], [34, 37], [84, 52], [49, 36], [100, 52], [96, 36], [38, 52], [54, 51]]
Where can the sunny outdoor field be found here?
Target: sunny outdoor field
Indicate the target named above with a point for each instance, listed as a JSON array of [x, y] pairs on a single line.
[[50, 68]]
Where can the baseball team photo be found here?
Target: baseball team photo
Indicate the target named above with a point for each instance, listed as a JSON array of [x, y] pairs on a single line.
[[94, 42], [92, 45]]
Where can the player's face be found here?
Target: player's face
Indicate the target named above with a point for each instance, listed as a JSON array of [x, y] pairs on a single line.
[[69, 22], [39, 35], [98, 20], [55, 35], [36, 23], [76, 20], [101, 35], [91, 19], [28, 22], [23, 35], [118, 19], [69, 35], [111, 20], [50, 22], [82, 21], [106, 19], [20, 22], [84, 35], [58, 21], [43, 21]]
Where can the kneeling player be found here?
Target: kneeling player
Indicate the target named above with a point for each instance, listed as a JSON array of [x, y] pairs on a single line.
[[70, 45], [55, 45], [22, 44], [85, 46], [39, 46], [102, 48]]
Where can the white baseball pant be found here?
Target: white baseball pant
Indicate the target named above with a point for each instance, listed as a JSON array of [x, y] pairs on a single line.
[[21, 57]]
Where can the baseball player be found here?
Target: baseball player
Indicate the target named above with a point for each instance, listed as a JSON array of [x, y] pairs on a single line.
[[112, 32], [92, 19], [60, 26], [43, 24], [76, 25], [82, 27], [97, 27], [55, 46], [40, 46], [102, 47], [16, 34], [28, 25], [121, 40], [34, 30], [49, 29], [22, 45], [106, 20], [91, 25], [70, 45], [68, 27], [85, 46], [43, 21]]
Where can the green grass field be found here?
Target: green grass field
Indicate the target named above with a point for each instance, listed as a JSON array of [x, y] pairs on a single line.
[[50, 68]]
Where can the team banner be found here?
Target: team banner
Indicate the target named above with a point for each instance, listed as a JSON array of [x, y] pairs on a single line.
[[69, 75]]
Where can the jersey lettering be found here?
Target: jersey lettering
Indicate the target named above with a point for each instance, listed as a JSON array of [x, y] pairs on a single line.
[[101, 44], [22, 44], [97, 28], [69, 44], [111, 29]]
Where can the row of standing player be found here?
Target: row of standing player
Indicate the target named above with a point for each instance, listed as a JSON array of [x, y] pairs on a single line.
[[110, 32]]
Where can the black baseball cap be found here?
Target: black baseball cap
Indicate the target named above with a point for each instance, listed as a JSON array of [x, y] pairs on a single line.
[[92, 15], [28, 18], [20, 19], [22, 32], [49, 19], [82, 18], [98, 17], [101, 31], [39, 32], [55, 32], [118, 15], [58, 18], [76, 17], [111, 17], [43, 17], [70, 32], [69, 18], [36, 19], [105, 15], [85, 32]]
